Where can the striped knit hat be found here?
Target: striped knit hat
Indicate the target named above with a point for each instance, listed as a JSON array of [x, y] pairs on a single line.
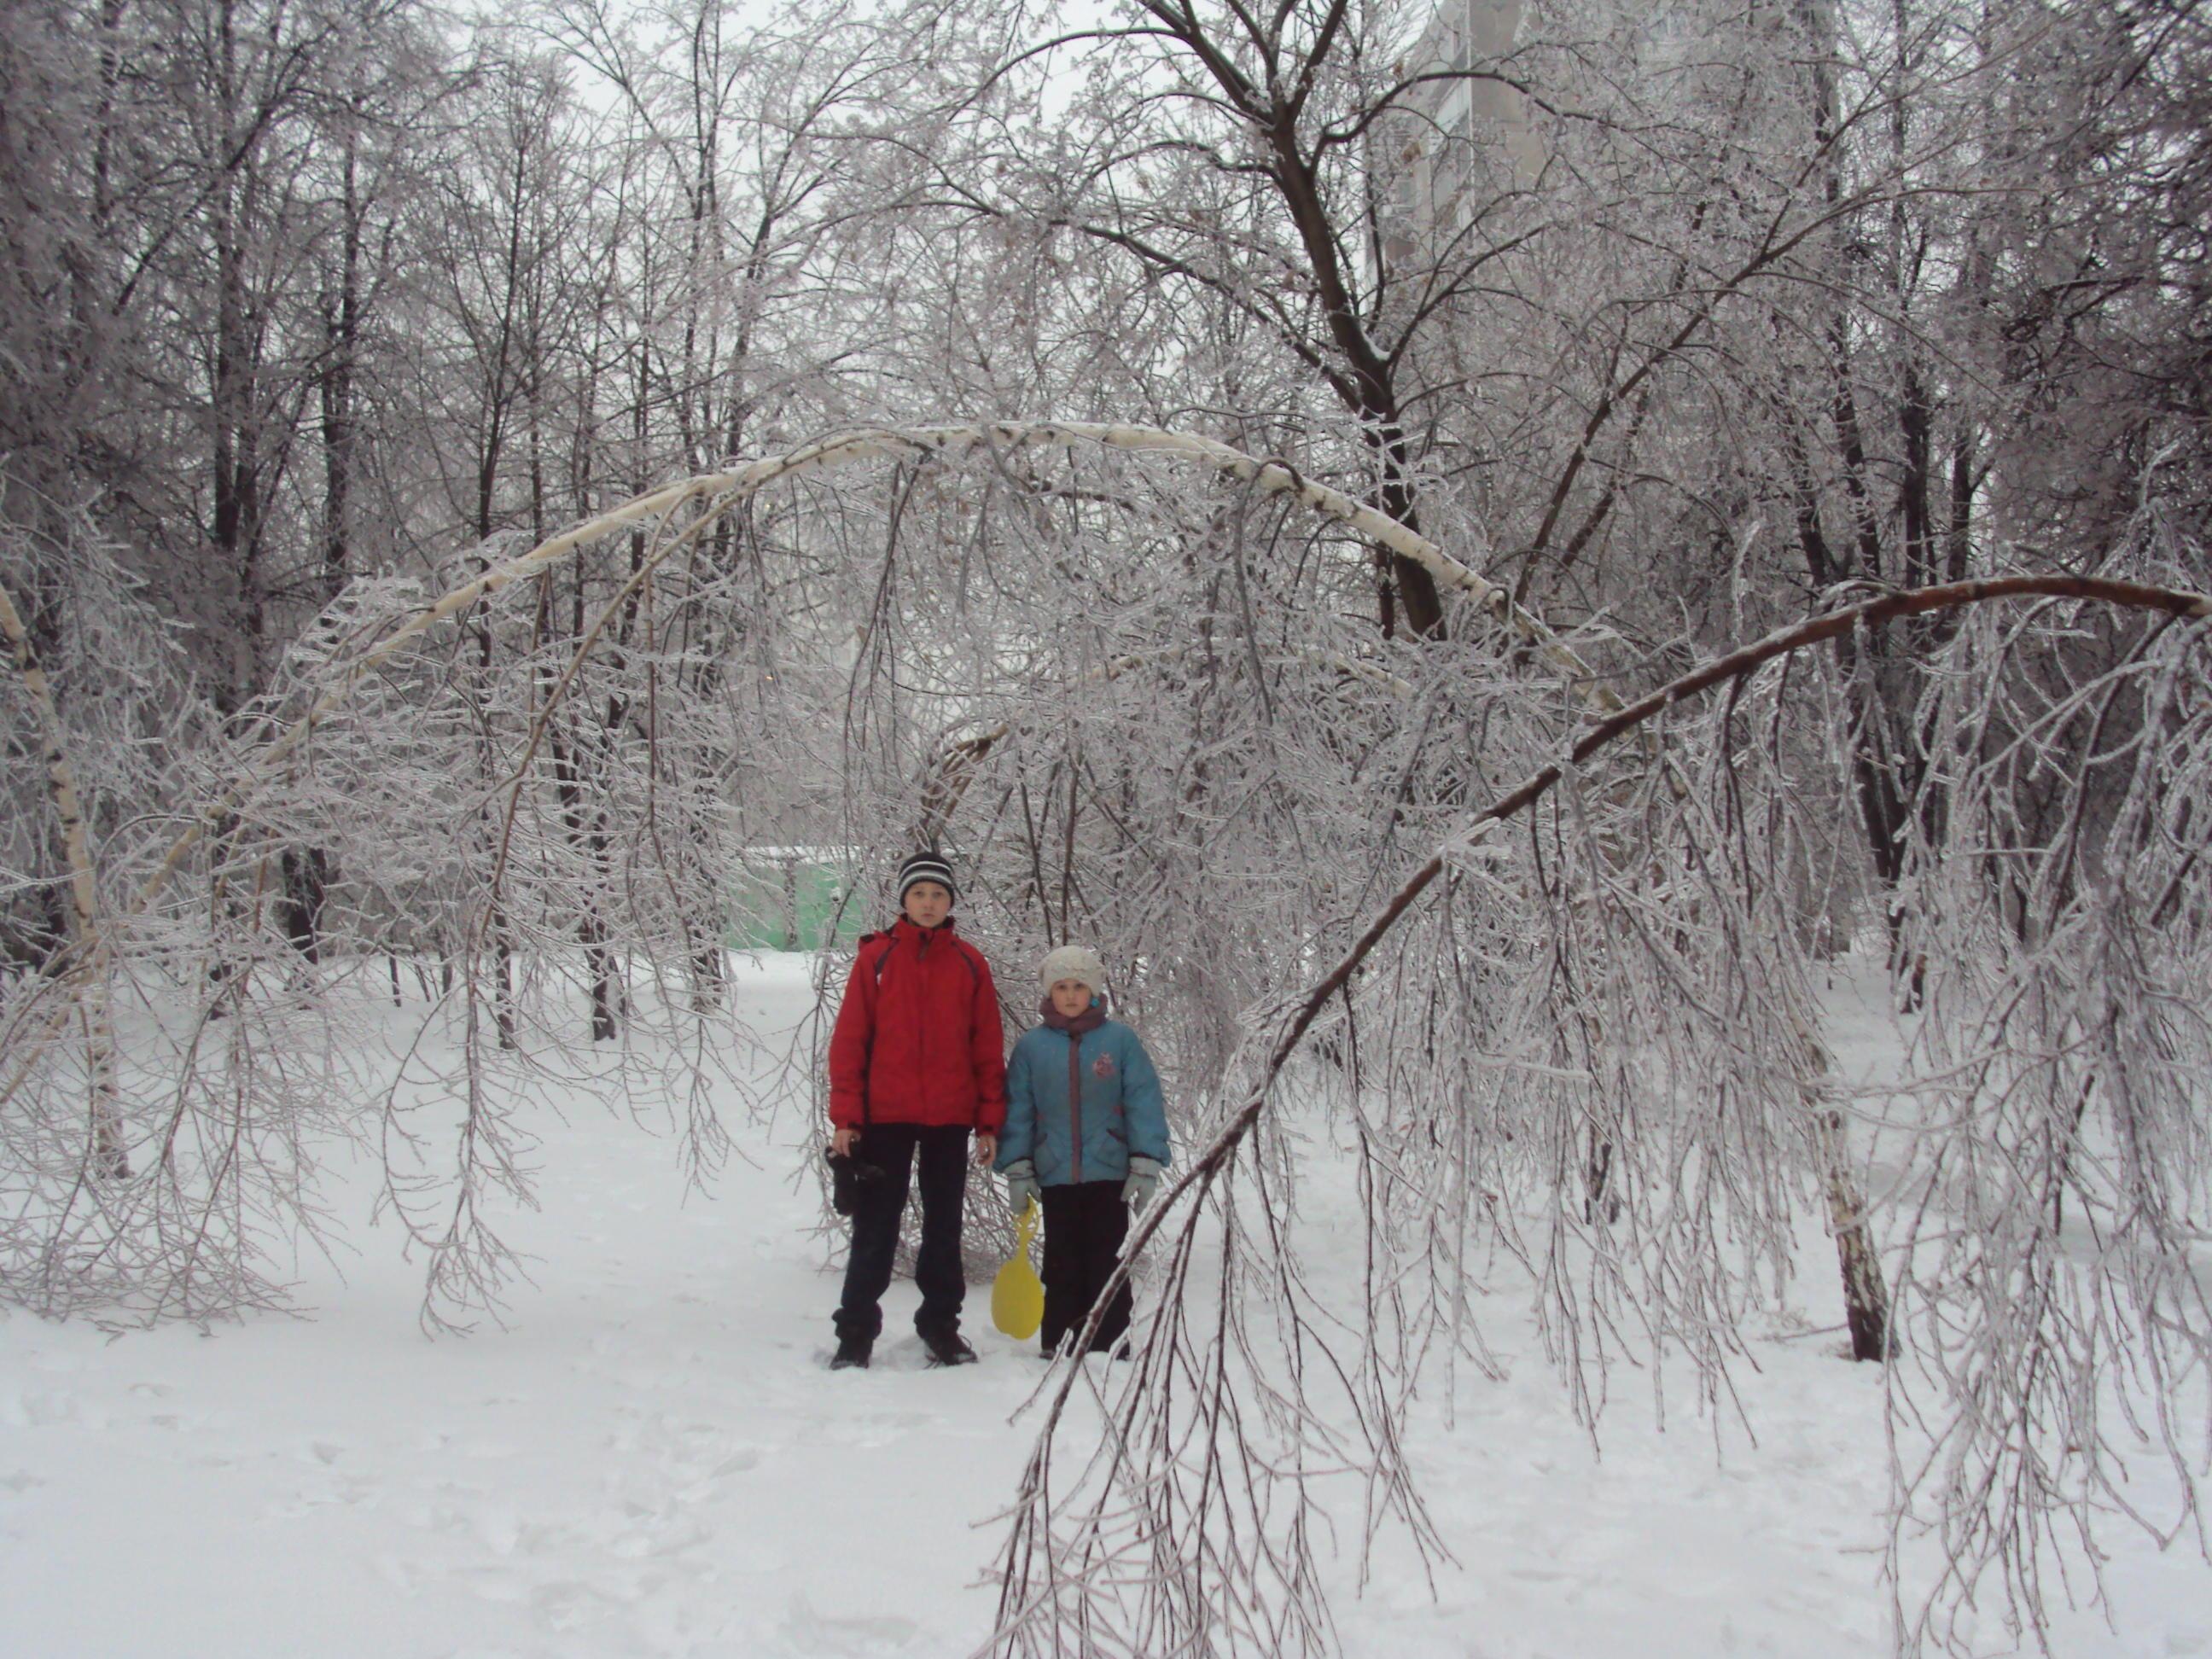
[[931, 865]]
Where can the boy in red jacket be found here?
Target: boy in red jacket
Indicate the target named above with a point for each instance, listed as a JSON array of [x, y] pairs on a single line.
[[916, 1066]]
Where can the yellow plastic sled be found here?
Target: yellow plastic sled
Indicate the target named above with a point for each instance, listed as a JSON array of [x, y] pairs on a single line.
[[1017, 1294]]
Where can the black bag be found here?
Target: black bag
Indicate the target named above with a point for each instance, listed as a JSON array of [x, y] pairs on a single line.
[[850, 1178]]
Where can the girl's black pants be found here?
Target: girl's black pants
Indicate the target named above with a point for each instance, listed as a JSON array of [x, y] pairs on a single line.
[[1083, 1227]]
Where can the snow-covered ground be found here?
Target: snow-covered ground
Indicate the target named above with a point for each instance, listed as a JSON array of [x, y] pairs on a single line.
[[650, 1460]]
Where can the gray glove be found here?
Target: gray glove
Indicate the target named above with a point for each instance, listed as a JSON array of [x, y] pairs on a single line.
[[1143, 1184], [1021, 1185]]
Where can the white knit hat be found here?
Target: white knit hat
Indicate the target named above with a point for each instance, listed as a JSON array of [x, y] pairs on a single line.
[[1076, 962]]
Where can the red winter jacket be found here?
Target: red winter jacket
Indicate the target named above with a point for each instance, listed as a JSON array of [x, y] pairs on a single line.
[[918, 1038]]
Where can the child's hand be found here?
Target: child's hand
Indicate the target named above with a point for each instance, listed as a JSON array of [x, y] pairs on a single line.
[[987, 1148], [1021, 1186], [841, 1143], [1144, 1182]]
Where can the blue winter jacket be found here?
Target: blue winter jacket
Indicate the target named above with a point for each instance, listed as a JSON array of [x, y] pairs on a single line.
[[1087, 1132]]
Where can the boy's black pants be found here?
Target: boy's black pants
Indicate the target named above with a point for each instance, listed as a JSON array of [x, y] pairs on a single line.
[[891, 1147], [1083, 1227]]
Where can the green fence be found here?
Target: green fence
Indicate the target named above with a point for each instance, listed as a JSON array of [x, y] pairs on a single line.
[[787, 899]]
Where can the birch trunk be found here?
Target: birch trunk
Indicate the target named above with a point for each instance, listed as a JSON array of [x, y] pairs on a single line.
[[88, 946]]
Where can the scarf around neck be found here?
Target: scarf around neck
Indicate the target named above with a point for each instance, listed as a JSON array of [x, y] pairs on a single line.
[[1089, 1020]]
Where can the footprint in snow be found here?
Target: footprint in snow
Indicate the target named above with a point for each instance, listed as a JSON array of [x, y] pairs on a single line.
[[808, 1630], [737, 1462], [44, 1411], [567, 1606]]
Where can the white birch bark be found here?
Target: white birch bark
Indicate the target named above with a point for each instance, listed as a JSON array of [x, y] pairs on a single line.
[[88, 944]]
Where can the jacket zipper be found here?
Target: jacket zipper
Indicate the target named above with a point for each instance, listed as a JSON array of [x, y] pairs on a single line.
[[1075, 1098], [922, 1033]]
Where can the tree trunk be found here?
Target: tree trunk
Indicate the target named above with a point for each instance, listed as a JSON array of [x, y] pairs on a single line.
[[309, 871], [109, 1157], [1866, 1296]]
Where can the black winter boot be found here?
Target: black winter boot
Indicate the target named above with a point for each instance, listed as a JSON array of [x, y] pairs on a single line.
[[947, 1347], [851, 1351]]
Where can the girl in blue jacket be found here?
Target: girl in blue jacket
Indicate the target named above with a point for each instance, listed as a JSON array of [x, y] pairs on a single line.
[[1085, 1135]]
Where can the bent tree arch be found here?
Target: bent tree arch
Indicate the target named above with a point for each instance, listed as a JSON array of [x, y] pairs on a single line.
[[1127, 675], [362, 686]]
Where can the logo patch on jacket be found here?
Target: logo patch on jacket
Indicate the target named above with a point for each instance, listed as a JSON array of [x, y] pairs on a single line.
[[1103, 1066]]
